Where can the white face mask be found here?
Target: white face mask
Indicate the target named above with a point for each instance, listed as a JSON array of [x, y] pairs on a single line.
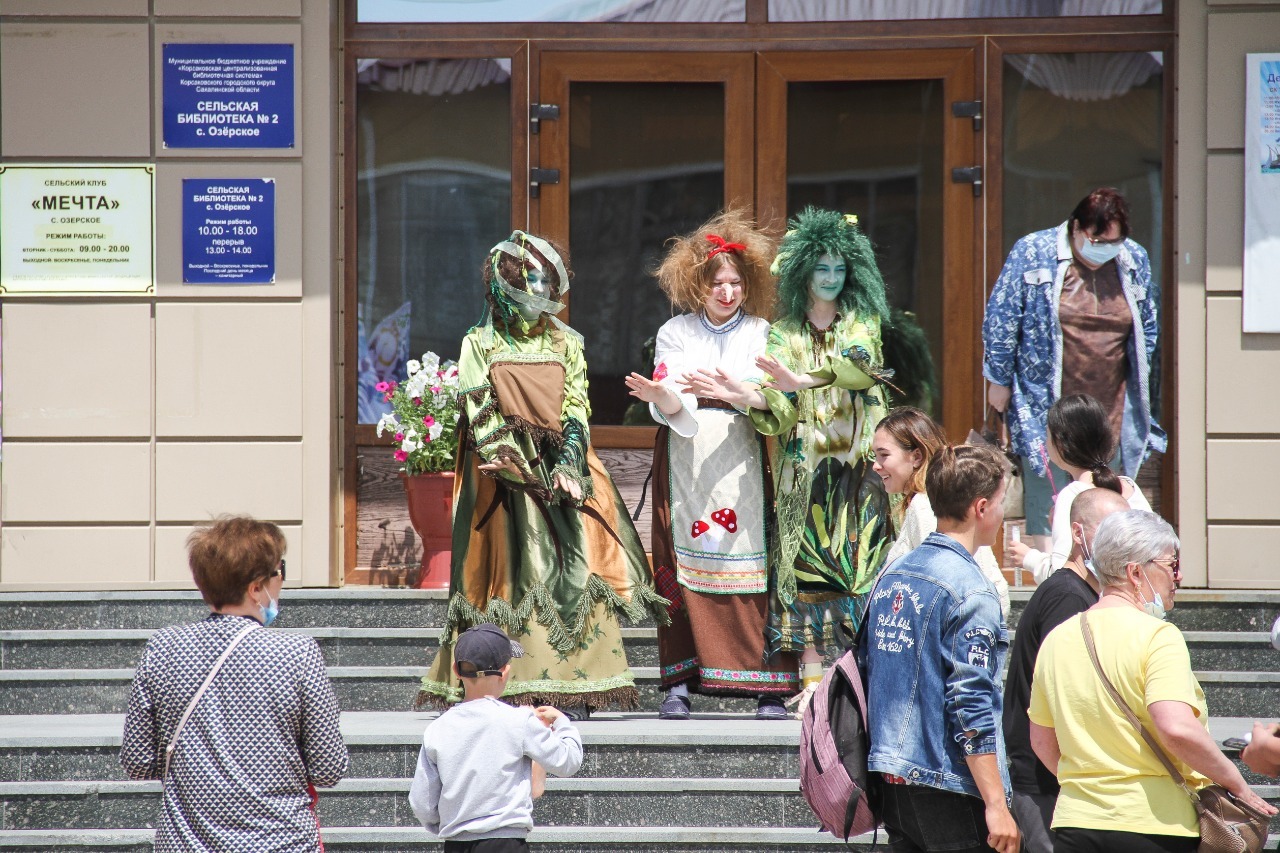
[[1085, 551], [1098, 253], [1156, 606]]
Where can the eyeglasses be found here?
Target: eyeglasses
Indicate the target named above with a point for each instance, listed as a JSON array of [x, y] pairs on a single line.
[[280, 571], [1173, 564], [1098, 241]]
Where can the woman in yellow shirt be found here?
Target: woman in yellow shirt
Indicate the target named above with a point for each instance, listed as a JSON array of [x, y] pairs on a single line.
[[1116, 794]]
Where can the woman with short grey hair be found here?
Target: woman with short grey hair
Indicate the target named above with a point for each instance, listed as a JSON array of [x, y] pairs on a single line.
[[1116, 793]]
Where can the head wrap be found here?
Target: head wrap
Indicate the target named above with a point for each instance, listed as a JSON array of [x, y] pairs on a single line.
[[507, 295]]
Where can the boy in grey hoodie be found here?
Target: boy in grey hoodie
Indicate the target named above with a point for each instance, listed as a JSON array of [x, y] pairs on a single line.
[[476, 776]]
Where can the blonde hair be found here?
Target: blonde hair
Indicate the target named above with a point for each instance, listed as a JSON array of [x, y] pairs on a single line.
[[689, 268]]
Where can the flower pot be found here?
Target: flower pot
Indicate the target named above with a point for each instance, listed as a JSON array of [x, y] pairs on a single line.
[[430, 499]]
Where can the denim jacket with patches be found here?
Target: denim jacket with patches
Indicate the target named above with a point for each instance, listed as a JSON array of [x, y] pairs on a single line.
[[933, 650], [1022, 342]]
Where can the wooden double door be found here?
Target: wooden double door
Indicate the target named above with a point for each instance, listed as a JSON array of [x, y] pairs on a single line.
[[649, 145]]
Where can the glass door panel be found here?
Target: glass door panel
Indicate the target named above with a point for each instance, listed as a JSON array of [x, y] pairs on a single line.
[[645, 151], [891, 177], [872, 133], [633, 183]]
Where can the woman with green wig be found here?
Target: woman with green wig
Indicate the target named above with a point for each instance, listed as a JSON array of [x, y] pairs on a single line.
[[543, 545], [826, 396]]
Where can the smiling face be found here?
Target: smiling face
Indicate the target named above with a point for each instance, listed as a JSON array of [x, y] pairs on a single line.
[[828, 278], [726, 294], [894, 463]]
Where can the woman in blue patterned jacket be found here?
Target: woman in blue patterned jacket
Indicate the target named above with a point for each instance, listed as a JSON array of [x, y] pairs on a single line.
[[1075, 311]]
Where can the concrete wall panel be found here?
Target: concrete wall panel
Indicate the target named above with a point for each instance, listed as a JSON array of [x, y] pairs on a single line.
[[1243, 557], [75, 90], [230, 8], [1242, 474], [77, 482], [1231, 36], [101, 8], [51, 556], [1224, 231], [1236, 361], [229, 369], [171, 554], [288, 178], [197, 481], [76, 369]]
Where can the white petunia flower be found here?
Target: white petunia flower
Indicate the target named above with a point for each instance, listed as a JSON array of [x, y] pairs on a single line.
[[388, 422], [408, 445], [413, 366], [434, 430]]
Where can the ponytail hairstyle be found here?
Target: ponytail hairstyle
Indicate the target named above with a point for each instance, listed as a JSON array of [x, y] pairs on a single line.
[[960, 475], [1081, 433], [912, 430]]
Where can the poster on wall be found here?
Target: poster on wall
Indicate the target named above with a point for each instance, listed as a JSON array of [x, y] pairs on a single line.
[[1262, 193], [228, 95], [228, 231], [75, 230]]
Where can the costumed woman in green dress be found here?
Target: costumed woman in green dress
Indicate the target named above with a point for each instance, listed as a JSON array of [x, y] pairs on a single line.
[[825, 399], [542, 543]]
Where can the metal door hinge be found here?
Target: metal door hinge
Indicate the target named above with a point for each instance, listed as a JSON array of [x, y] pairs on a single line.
[[969, 175], [538, 112], [537, 177], [968, 109]]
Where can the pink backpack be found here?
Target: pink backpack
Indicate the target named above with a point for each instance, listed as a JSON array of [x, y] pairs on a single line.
[[833, 752]]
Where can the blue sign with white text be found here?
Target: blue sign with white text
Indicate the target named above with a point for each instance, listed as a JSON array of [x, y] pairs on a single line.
[[228, 231], [228, 95]]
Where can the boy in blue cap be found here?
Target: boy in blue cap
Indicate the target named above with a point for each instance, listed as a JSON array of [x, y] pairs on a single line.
[[476, 776]]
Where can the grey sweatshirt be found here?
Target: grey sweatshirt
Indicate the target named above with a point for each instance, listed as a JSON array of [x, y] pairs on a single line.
[[474, 769]]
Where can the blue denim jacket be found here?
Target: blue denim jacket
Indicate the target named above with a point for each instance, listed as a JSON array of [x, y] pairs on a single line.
[[1022, 340], [933, 650]]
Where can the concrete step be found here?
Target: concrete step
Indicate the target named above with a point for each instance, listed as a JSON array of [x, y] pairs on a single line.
[[364, 607], [392, 688], [384, 802], [583, 839], [83, 748], [1238, 651], [121, 649]]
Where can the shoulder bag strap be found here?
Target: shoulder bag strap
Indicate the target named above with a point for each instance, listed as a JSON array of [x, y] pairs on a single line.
[[1128, 712], [195, 700]]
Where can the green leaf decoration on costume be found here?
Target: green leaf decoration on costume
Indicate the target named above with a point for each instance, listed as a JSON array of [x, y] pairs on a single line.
[[545, 675], [820, 525], [580, 675]]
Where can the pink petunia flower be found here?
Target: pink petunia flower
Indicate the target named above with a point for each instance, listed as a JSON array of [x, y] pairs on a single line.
[[428, 420], [401, 455], [399, 436], [417, 401], [382, 387]]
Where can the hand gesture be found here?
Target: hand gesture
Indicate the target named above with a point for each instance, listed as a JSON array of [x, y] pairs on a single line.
[[547, 714], [568, 486], [1263, 749], [503, 466], [1018, 550], [784, 378], [718, 385], [645, 389]]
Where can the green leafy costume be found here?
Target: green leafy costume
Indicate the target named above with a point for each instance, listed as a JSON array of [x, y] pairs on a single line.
[[832, 510], [552, 571]]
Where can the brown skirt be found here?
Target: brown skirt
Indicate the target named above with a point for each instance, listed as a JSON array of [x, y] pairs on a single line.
[[715, 643]]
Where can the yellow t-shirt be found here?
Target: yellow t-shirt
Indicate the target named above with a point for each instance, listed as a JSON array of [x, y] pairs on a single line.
[[1110, 779]]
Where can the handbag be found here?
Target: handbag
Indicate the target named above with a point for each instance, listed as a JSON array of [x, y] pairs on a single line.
[[995, 433], [1226, 824]]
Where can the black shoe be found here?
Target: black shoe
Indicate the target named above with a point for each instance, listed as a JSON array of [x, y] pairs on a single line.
[[771, 708], [579, 714], [674, 708]]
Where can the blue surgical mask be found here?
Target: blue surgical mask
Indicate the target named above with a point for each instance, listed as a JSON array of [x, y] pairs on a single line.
[[1088, 558], [270, 612], [1099, 253], [1154, 607]]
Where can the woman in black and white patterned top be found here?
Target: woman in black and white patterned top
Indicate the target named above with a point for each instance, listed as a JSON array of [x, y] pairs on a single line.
[[264, 732]]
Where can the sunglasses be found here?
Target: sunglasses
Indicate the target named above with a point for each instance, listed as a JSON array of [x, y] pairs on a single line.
[[280, 572]]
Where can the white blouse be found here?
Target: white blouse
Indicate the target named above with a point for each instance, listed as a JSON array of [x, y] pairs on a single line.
[[691, 342]]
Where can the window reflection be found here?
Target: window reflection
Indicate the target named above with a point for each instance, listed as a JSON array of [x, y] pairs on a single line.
[[874, 149], [646, 163], [596, 11], [433, 194], [898, 10], [1077, 121]]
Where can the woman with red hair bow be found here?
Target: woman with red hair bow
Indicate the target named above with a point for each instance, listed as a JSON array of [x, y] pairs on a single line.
[[710, 547]]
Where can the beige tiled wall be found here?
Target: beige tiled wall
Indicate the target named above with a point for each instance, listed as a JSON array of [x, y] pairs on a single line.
[[1229, 413], [127, 421]]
